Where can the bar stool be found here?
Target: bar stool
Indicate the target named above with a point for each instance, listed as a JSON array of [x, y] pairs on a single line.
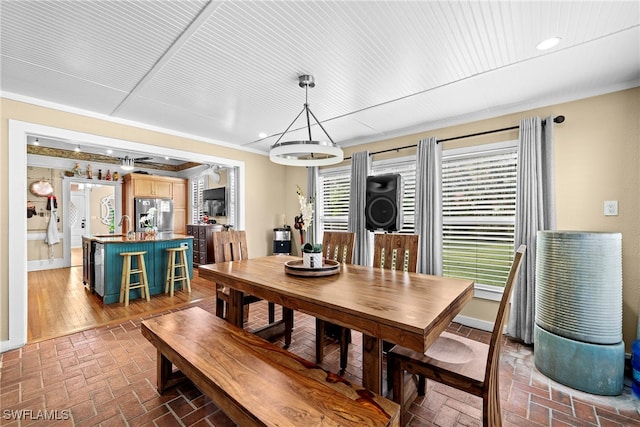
[[171, 280], [125, 283]]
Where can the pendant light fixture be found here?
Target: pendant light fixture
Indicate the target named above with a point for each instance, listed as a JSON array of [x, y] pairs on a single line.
[[306, 152]]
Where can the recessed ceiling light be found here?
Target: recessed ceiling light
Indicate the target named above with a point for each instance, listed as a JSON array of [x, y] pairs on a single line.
[[109, 151], [77, 148], [166, 157], [548, 43], [36, 142], [262, 135]]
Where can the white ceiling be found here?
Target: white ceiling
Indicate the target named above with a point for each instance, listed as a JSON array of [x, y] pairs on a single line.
[[224, 71]]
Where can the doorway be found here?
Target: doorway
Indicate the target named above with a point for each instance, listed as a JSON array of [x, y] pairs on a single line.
[[77, 223], [92, 210], [18, 133]]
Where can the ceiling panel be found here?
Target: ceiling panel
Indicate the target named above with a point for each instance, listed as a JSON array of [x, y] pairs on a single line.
[[227, 70]]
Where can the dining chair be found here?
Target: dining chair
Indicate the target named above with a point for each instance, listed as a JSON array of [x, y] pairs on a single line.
[[396, 252], [456, 361], [337, 246], [391, 252], [231, 245]]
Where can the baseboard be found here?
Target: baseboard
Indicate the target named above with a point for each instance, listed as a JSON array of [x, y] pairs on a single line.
[[471, 322], [45, 264]]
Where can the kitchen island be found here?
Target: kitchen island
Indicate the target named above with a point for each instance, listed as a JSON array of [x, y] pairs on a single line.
[[103, 263]]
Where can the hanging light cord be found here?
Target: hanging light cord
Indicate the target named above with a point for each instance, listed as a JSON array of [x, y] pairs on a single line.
[[308, 111]]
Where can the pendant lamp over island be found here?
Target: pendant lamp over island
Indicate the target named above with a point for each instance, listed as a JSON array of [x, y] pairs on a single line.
[[306, 152]]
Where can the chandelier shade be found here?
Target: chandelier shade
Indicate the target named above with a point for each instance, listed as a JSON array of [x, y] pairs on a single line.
[[307, 152]]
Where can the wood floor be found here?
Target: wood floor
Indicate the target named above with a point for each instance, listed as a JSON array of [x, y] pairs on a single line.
[[60, 304]]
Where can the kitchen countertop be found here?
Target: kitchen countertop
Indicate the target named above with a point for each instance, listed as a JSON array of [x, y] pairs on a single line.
[[139, 237]]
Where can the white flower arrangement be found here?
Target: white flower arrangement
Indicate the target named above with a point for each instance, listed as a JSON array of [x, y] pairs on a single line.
[[306, 210], [147, 220], [304, 222]]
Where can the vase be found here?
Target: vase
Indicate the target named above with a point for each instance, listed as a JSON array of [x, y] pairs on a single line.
[[149, 233], [312, 260]]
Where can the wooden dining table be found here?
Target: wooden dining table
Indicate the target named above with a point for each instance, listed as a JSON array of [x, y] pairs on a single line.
[[409, 309]]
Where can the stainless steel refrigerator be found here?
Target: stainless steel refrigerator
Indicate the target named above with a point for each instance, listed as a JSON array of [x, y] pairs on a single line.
[[162, 217]]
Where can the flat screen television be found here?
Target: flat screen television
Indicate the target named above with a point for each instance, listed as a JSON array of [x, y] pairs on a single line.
[[215, 201]]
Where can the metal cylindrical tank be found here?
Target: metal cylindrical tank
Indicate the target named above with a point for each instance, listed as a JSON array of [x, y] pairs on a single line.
[[579, 285], [578, 300]]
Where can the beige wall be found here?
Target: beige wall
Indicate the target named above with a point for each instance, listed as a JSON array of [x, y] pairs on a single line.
[[597, 159], [264, 189]]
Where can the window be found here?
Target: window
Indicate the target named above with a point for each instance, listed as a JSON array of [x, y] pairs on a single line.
[[479, 200], [232, 195], [478, 196], [201, 183], [333, 199], [197, 203]]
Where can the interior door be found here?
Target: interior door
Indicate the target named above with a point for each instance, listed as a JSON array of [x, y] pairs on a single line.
[[77, 217]]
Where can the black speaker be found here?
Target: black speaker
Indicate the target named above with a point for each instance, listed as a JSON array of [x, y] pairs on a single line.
[[383, 209]]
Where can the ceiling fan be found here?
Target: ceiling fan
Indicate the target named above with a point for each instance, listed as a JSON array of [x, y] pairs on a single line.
[[128, 163]]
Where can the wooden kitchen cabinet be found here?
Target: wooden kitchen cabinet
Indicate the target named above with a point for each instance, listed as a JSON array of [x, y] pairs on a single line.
[[157, 187], [179, 191]]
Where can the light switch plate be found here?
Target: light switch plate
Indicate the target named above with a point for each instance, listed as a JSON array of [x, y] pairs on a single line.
[[610, 208]]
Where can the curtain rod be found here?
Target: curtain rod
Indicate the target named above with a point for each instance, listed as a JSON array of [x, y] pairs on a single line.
[[557, 119]]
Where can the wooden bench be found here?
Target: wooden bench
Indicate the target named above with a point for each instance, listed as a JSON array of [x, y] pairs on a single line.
[[255, 382]]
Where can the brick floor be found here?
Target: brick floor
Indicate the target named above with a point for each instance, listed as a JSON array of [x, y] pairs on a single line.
[[106, 376]]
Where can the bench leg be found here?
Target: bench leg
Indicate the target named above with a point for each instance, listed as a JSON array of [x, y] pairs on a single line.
[[166, 378], [165, 369]]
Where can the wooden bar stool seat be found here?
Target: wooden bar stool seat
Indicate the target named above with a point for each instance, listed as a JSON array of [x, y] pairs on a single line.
[[126, 284], [170, 282]]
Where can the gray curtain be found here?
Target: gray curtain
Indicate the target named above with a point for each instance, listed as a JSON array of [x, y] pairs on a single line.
[[312, 183], [535, 210], [429, 206], [360, 167]]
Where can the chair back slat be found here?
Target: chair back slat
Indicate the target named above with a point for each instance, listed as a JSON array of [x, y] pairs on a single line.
[[396, 252], [338, 246], [229, 246], [491, 392]]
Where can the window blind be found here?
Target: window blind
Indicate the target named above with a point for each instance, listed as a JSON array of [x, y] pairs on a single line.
[[479, 199], [332, 204], [197, 202]]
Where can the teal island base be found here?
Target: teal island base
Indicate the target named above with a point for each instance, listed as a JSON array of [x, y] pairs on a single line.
[[108, 264]]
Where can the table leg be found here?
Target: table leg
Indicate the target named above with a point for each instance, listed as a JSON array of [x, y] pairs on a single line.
[[235, 307], [287, 315], [372, 363]]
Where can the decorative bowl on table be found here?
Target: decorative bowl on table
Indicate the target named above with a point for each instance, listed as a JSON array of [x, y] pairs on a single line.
[[297, 268]]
